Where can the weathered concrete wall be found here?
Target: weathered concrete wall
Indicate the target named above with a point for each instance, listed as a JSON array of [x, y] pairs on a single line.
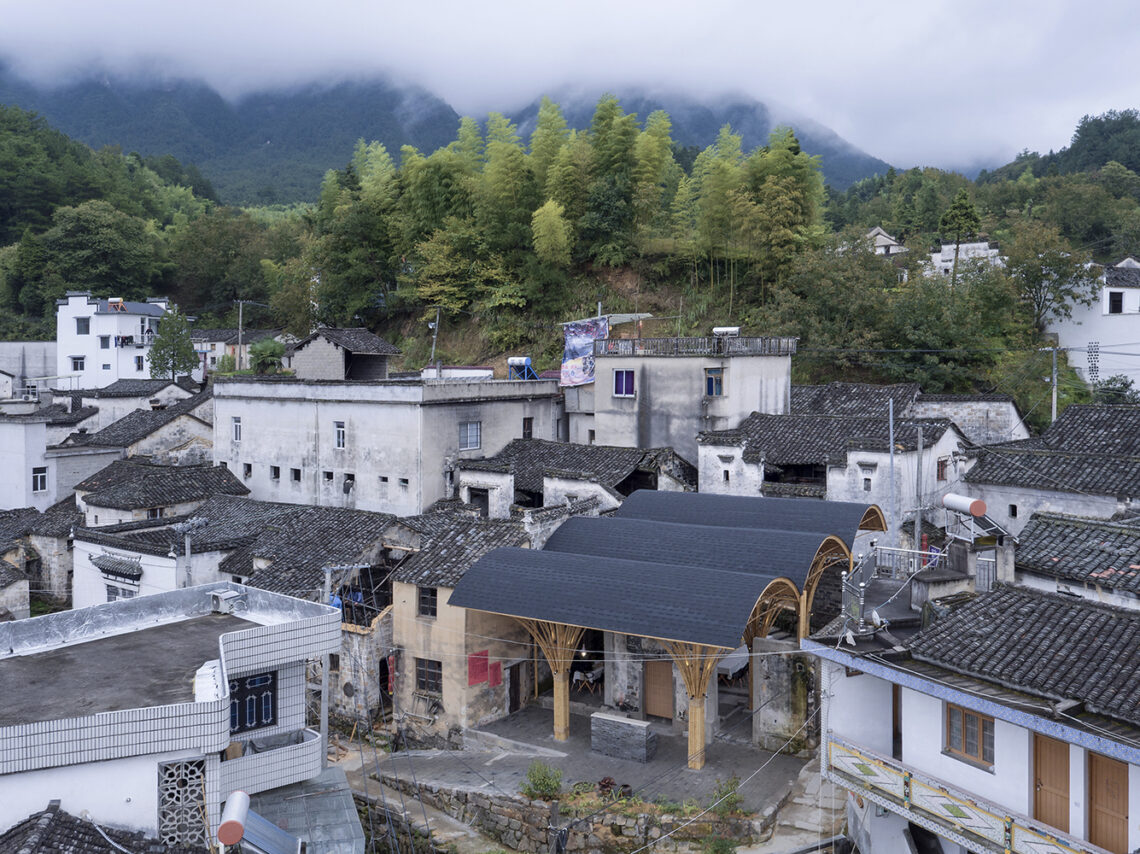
[[500, 488], [999, 500], [723, 471], [558, 490], [521, 825], [320, 359], [354, 688], [14, 599], [982, 422], [670, 407], [782, 688], [54, 579], [22, 446], [186, 439], [111, 409], [76, 464], [33, 358]]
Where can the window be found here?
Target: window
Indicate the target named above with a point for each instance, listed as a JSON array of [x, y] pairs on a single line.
[[140, 363], [104, 342], [247, 470], [726, 476], [106, 366], [429, 676], [334, 662], [78, 363], [714, 382], [943, 468], [275, 472], [428, 600], [236, 421], [528, 428], [969, 735], [590, 436], [383, 478], [470, 435], [295, 475], [155, 512], [349, 483], [623, 383], [328, 475], [253, 702], [83, 326], [866, 484], [1116, 302], [404, 482], [339, 425], [114, 593], [39, 479], [1013, 511]]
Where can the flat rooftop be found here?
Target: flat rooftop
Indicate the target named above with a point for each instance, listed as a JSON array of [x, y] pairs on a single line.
[[133, 670]]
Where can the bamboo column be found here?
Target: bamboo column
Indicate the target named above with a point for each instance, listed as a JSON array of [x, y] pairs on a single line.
[[697, 664], [558, 643]]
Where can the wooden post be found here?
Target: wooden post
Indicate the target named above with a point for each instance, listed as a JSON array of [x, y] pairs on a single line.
[[697, 664], [558, 643]]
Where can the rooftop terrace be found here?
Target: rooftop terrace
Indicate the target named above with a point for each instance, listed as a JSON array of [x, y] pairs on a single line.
[[715, 346]]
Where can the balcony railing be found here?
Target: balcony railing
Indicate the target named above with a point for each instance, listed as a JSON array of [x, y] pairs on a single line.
[[716, 346], [274, 761], [942, 809], [901, 564]]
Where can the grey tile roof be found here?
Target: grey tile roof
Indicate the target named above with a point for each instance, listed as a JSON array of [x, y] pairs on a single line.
[[15, 524], [841, 518], [1122, 277], [55, 414], [139, 424], [130, 307], [120, 566], [1045, 644], [634, 597], [54, 831], [995, 397], [299, 540], [528, 459], [59, 519], [140, 388], [862, 399], [781, 440], [131, 484], [1096, 429], [755, 551], [10, 574], [355, 340], [452, 544], [1054, 471], [1073, 548]]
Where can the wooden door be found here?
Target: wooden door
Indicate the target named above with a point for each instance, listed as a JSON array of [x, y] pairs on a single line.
[[659, 688], [1051, 789], [1108, 803], [514, 687]]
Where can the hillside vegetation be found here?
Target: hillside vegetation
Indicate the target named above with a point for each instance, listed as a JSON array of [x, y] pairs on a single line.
[[504, 239]]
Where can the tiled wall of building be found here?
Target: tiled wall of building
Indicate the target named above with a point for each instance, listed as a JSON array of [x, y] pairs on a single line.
[[257, 772]]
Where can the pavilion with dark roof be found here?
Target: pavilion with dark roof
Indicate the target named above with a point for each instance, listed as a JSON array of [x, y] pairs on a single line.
[[686, 576]]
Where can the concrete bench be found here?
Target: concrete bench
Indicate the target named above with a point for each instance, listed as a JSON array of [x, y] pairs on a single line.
[[622, 737]]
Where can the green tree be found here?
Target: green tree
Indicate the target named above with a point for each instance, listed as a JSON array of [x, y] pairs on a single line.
[[960, 220], [172, 352], [546, 141], [265, 356], [551, 234], [1049, 276]]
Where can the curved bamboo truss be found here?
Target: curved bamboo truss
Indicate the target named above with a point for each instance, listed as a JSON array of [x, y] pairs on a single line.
[[558, 642], [873, 519], [832, 554]]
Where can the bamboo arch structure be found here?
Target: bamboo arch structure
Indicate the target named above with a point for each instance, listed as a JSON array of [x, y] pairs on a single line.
[[832, 552]]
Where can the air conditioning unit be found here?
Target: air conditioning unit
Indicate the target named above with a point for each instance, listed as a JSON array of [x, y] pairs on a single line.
[[226, 601]]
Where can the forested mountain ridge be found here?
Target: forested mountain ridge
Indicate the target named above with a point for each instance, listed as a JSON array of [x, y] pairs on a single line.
[[274, 146]]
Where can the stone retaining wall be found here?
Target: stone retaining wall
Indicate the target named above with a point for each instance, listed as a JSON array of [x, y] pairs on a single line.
[[521, 825]]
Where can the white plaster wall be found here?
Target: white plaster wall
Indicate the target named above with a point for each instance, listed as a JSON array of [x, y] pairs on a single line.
[[859, 708], [1092, 592], [1113, 332], [14, 598], [22, 448], [557, 490], [111, 409], [121, 360], [1028, 501], [669, 406], [1006, 784], [122, 793], [89, 587], [743, 478], [500, 488]]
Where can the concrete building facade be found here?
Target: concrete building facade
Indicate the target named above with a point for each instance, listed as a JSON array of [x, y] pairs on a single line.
[[101, 341]]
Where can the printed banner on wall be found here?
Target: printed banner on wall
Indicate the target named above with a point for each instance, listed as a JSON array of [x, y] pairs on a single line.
[[578, 353]]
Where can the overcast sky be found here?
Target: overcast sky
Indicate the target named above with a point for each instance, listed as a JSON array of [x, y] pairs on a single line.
[[938, 82]]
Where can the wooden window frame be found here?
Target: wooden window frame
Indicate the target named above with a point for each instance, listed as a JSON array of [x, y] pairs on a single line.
[[960, 752], [427, 602], [429, 677]]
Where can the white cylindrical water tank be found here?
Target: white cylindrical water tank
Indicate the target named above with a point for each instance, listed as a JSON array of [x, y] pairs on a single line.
[[726, 331], [519, 361], [232, 828], [964, 504]]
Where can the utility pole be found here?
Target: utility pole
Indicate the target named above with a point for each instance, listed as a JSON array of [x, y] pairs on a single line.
[[918, 494], [1054, 413], [241, 305], [434, 336], [894, 488], [325, 678]]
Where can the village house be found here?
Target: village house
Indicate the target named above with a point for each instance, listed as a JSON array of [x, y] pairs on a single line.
[[144, 715], [382, 445], [1086, 463], [1100, 337], [100, 341], [135, 489], [213, 344], [1008, 724], [123, 397], [883, 244], [342, 354], [33, 477], [976, 252], [538, 473], [661, 392], [660, 594]]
